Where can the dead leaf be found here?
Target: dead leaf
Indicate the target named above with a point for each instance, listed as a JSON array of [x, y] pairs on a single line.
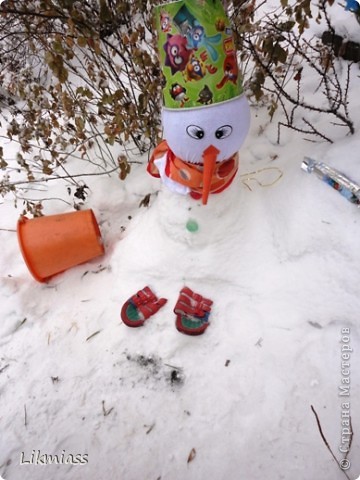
[[145, 201], [192, 455]]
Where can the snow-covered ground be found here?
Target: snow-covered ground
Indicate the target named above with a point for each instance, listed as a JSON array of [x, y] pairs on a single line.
[[281, 264]]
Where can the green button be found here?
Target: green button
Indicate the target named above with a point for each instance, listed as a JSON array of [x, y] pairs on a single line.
[[192, 226]]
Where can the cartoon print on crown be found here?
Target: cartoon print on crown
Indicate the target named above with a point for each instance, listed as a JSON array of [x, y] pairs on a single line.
[[177, 54], [205, 113], [165, 21], [178, 93], [205, 96], [196, 69], [192, 29], [231, 71]]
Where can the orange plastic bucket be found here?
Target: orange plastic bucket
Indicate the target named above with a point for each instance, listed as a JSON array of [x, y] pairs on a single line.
[[54, 243]]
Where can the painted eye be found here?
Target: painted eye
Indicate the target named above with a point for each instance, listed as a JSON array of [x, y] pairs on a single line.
[[174, 51], [195, 132], [223, 132], [196, 37]]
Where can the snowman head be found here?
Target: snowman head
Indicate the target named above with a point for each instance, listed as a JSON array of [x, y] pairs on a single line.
[[189, 132]]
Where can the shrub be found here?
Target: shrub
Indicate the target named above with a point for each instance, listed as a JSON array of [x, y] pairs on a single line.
[[279, 54], [81, 80], [84, 78]]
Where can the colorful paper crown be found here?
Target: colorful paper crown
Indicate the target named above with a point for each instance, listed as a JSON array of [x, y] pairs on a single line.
[[197, 54]]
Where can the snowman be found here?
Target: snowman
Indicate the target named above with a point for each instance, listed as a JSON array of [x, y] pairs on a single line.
[[205, 120]]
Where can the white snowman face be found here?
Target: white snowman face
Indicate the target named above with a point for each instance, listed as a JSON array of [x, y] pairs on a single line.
[[190, 132]]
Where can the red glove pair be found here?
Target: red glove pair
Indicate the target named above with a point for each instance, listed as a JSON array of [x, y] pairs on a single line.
[[191, 309]]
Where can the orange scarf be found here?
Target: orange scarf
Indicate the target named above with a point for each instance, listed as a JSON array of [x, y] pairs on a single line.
[[191, 175]]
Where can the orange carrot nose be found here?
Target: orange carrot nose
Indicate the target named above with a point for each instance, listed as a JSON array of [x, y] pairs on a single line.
[[209, 156]]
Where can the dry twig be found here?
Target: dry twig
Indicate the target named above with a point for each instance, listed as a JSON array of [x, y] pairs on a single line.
[[327, 444]]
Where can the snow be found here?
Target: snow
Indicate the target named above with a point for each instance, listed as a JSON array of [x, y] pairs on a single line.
[[280, 263], [344, 22]]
